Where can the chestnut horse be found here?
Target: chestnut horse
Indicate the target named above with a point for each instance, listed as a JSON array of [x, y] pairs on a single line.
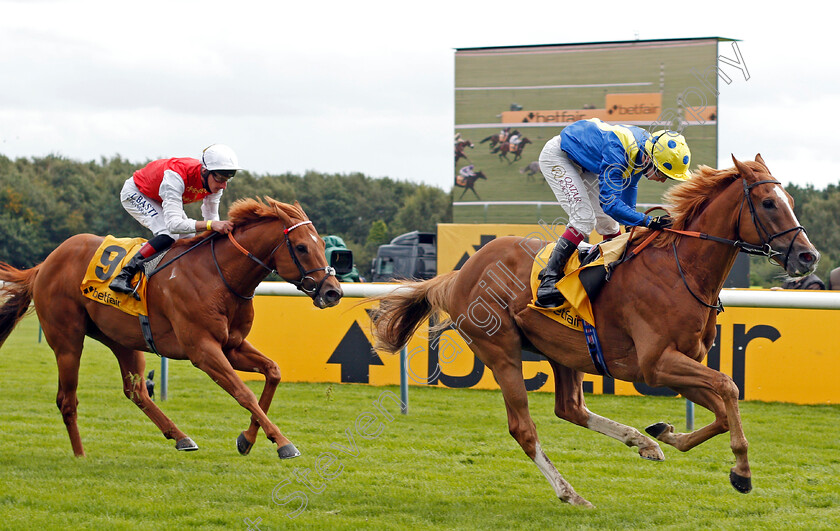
[[199, 306], [468, 183], [516, 149], [655, 316], [460, 147]]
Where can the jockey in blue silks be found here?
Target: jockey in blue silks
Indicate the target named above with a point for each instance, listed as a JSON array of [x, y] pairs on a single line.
[[594, 168]]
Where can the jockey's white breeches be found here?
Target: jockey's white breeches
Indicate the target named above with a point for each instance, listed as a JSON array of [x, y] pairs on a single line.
[[576, 190]]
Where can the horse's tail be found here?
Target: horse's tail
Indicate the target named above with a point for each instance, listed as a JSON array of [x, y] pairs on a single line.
[[401, 312], [486, 139], [15, 296]]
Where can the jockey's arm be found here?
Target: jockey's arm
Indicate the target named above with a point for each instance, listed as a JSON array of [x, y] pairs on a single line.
[[614, 189], [172, 195], [631, 192], [210, 206]]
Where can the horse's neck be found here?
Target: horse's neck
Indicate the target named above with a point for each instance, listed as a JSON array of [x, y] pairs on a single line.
[[710, 261], [247, 273]]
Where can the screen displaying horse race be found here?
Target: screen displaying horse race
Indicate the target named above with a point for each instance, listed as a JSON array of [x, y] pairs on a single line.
[[509, 101]]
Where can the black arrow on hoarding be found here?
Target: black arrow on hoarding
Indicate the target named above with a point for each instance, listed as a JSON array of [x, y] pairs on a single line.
[[355, 354]]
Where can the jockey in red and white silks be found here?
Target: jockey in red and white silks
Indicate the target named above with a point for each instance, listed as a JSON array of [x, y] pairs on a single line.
[[155, 196]]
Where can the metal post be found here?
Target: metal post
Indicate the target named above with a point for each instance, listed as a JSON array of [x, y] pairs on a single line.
[[689, 415], [164, 377], [404, 380]]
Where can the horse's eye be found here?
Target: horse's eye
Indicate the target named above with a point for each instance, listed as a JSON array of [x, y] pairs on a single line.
[[768, 203], [300, 248]]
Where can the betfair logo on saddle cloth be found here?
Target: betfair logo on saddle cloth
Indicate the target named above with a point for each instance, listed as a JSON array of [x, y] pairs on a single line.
[[576, 291], [107, 261]]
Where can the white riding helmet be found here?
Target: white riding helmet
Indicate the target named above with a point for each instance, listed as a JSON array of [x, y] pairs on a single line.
[[219, 157]]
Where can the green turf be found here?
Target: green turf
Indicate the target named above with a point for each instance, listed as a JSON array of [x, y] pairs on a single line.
[[449, 464]]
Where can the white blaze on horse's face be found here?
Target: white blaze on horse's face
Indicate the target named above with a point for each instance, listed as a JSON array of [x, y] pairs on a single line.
[[786, 201], [784, 198], [314, 239]]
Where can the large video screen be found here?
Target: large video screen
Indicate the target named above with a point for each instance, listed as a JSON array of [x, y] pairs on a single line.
[[535, 91]]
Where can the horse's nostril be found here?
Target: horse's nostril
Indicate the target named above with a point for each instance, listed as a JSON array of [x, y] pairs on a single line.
[[806, 257], [332, 295]]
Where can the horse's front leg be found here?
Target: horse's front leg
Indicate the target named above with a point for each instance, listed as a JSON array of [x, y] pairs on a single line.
[[207, 355], [247, 358], [686, 441], [676, 370]]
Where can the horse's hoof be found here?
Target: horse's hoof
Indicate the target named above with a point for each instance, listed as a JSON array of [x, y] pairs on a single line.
[[243, 445], [742, 484], [186, 445], [655, 430], [288, 452], [654, 453]]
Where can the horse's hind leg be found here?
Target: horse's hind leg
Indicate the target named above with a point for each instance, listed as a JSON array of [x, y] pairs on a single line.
[[249, 359], [66, 399], [570, 405], [132, 366], [522, 429], [65, 336]]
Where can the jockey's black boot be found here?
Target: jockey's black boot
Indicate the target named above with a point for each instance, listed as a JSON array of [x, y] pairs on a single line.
[[122, 282], [548, 296]]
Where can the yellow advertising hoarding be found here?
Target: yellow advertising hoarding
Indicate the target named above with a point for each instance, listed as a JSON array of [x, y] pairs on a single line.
[[772, 354], [619, 108]]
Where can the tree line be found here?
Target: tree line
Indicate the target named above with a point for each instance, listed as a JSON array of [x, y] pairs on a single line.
[[45, 200]]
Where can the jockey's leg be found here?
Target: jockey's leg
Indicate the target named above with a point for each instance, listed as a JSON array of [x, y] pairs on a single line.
[[547, 294], [565, 180], [122, 282]]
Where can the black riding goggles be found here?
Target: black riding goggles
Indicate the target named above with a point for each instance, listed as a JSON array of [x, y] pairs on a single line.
[[223, 175]]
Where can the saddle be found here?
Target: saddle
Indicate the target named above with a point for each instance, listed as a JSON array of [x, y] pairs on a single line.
[[107, 261], [586, 273]]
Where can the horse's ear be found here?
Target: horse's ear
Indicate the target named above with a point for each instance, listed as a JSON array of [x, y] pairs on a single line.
[[743, 169], [760, 160]]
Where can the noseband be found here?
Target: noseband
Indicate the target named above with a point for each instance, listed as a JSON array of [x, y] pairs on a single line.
[[305, 284]]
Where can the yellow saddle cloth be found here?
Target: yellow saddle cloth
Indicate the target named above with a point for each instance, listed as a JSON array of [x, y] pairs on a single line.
[[576, 305], [107, 261]]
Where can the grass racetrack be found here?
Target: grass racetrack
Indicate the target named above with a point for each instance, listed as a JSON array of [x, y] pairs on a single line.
[[449, 464]]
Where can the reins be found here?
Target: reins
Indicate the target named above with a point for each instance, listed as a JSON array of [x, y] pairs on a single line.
[[306, 283], [748, 248]]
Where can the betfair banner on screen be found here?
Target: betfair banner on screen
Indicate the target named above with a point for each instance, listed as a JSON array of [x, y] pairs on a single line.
[[772, 354], [526, 95]]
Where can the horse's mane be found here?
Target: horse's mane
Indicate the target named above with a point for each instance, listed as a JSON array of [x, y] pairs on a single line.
[[249, 210], [688, 199], [244, 211]]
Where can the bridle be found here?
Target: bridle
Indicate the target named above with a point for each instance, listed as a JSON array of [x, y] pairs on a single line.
[[761, 230], [760, 250], [306, 283]]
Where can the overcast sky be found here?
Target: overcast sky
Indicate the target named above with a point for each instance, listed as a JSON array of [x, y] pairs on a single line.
[[367, 86]]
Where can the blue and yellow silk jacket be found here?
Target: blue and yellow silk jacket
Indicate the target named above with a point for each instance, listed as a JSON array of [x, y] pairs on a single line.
[[614, 153]]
